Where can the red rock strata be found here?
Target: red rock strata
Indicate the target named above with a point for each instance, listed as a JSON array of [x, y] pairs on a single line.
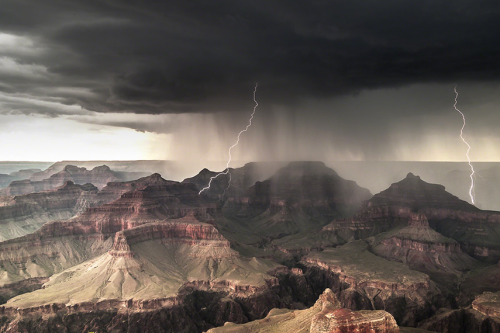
[[346, 321]]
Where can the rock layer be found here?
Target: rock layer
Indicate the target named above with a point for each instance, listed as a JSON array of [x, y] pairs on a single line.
[[300, 197], [324, 317], [99, 177], [23, 214], [365, 281]]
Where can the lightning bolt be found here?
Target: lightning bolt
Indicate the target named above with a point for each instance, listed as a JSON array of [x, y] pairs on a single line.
[[226, 171], [471, 189]]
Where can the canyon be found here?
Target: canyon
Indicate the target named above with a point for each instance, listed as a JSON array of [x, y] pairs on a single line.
[[301, 249]]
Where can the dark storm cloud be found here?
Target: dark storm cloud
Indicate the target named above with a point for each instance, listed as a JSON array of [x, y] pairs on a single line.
[[205, 56]]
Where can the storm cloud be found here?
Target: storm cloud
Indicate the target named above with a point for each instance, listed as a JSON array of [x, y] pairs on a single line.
[[205, 56]]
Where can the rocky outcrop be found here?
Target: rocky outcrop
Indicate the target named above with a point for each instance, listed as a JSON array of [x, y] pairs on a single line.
[[309, 185], [324, 317], [150, 262], [58, 245], [187, 230], [488, 304], [146, 245], [344, 320], [23, 214]]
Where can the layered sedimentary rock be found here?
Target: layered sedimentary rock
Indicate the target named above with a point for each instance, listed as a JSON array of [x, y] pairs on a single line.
[[326, 316], [21, 215], [136, 168], [5, 180], [99, 177], [158, 200], [488, 304], [141, 251], [363, 280], [473, 228], [303, 196], [424, 249], [61, 244], [154, 261], [465, 320], [344, 320]]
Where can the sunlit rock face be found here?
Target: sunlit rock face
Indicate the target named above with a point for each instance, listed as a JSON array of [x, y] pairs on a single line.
[[324, 317], [344, 320]]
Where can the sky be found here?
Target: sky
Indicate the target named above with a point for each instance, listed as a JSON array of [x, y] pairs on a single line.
[[337, 80]]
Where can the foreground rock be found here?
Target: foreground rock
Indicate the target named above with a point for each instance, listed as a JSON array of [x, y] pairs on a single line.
[[137, 169], [325, 316]]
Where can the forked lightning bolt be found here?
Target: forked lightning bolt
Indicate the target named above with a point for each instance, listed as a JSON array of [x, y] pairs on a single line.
[[471, 190], [226, 171]]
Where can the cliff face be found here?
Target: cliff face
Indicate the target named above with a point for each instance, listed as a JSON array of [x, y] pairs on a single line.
[[462, 321], [23, 214], [153, 262], [364, 281], [488, 304], [424, 249], [145, 204]]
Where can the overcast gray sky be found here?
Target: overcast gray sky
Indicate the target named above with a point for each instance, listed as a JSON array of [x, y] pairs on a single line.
[[345, 80]]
